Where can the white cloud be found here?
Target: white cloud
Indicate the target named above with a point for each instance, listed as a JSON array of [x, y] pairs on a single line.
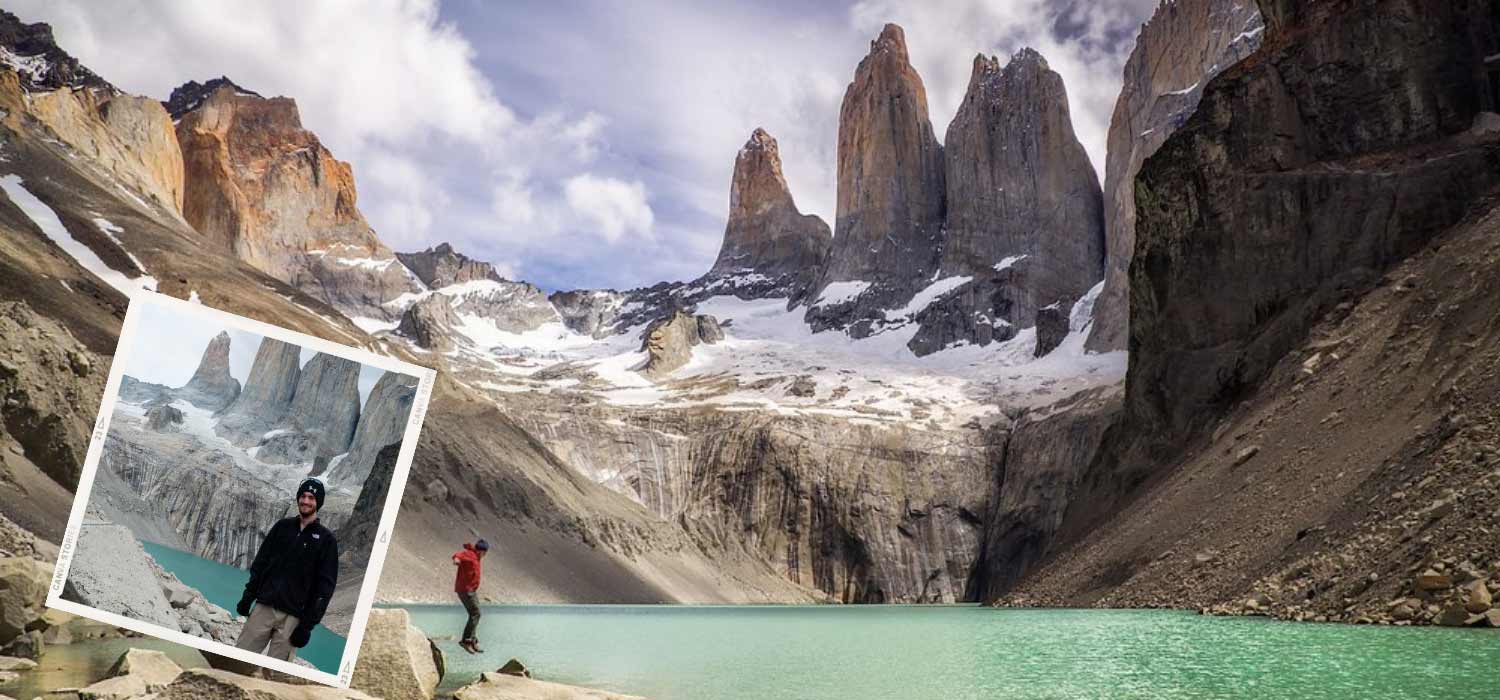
[[942, 39], [613, 206], [384, 84], [540, 126]]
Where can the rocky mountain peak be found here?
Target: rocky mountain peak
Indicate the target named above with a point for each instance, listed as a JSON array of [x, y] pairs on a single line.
[[261, 186], [188, 96], [892, 40], [31, 51], [211, 386], [440, 266], [890, 186], [766, 235], [758, 181]]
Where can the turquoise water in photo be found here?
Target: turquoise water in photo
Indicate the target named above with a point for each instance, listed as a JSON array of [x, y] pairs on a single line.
[[963, 653], [222, 585]]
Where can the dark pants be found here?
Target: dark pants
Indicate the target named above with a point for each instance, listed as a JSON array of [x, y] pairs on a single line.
[[471, 604]]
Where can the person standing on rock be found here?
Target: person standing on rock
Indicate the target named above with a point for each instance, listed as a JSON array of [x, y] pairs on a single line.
[[466, 585], [291, 579]]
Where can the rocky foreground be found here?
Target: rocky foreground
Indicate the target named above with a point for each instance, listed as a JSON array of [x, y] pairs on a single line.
[[396, 660]]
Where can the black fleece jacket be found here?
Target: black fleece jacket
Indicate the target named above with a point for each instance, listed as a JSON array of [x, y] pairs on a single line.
[[296, 570]]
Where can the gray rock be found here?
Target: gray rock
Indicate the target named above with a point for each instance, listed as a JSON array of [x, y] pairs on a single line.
[[1019, 187], [23, 595], [669, 342], [161, 417], [381, 423], [266, 396], [211, 387], [325, 405], [110, 572], [154, 668], [1210, 317], [1051, 328], [1184, 45], [441, 266], [395, 659], [429, 323], [591, 312]]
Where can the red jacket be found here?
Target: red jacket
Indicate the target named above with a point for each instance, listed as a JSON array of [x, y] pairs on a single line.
[[467, 579]]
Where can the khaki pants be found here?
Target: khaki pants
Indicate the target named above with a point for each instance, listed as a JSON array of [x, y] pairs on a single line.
[[267, 624]]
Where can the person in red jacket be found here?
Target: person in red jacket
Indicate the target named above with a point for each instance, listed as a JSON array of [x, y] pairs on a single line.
[[466, 585]]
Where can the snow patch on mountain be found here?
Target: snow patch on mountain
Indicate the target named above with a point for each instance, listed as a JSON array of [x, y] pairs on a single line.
[[46, 219]]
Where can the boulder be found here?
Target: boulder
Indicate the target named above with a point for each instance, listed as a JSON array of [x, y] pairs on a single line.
[[114, 688], [162, 418], [23, 595], [669, 342], [26, 646], [514, 667], [152, 667], [13, 663], [213, 684], [1431, 580], [395, 659], [496, 686], [1479, 598], [1453, 616], [1051, 328]]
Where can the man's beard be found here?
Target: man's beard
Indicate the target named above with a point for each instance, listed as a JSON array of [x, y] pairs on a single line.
[[305, 511]]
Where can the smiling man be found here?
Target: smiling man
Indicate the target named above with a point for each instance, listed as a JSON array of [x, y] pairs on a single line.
[[291, 579]]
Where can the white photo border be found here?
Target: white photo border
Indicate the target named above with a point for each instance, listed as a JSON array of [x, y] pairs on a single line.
[[128, 335]]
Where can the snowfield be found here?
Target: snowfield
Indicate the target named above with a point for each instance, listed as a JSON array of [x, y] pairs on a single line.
[[768, 347]]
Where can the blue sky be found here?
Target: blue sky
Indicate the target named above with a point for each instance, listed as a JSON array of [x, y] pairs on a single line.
[[581, 144]]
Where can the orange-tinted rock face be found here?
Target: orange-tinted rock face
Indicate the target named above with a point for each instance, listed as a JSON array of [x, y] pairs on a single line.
[[890, 172], [766, 235], [264, 187], [130, 137]]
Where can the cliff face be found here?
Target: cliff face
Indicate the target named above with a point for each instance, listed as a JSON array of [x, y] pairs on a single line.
[[128, 138], [1024, 226], [1344, 177], [325, 406], [890, 189], [382, 422], [267, 393], [260, 185], [766, 235], [1309, 414], [1036, 475], [856, 512], [1184, 45]]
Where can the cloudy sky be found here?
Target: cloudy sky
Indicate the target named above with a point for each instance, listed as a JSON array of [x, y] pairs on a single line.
[[581, 144]]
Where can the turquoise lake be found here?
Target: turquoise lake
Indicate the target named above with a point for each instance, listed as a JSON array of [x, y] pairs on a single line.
[[963, 653], [222, 585]]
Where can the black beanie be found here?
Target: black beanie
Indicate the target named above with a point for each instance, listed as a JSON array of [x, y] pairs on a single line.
[[314, 487], [481, 545]]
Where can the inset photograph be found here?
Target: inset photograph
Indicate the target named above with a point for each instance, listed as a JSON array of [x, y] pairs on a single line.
[[234, 499]]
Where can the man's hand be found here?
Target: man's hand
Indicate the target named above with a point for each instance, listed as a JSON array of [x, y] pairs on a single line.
[[301, 635], [244, 607]]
